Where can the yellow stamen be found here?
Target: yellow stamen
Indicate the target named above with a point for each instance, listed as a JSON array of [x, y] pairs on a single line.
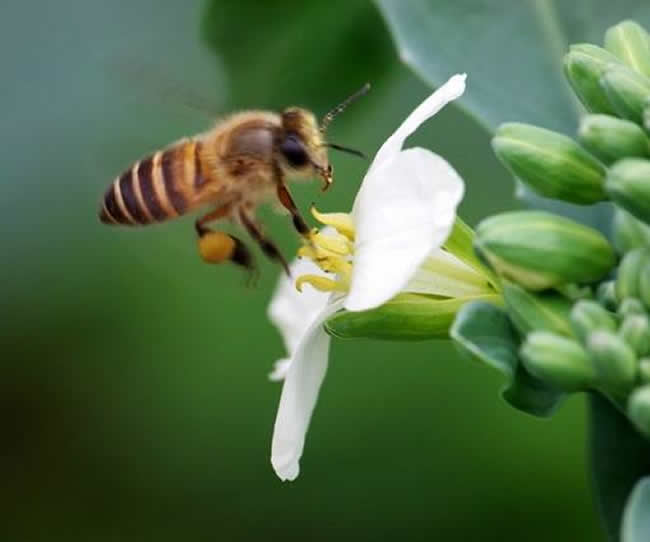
[[337, 244], [321, 283], [335, 265], [342, 222]]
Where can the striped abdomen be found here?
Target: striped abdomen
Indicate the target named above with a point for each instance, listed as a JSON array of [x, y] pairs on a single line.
[[157, 188]]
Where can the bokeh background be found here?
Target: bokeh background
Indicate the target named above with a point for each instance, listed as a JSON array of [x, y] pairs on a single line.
[[134, 403]]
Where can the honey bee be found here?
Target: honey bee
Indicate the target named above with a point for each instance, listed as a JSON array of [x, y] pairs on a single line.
[[246, 159]]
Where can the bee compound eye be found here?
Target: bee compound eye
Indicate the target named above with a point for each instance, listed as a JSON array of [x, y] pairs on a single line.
[[294, 151]]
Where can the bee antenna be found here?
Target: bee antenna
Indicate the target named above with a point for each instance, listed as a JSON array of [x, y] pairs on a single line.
[[339, 108], [341, 148]]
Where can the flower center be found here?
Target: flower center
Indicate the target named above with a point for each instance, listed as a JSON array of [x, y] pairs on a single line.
[[331, 250]]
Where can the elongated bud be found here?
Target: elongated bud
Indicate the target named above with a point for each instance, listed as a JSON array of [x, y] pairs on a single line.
[[646, 118], [644, 370], [610, 138], [584, 64], [588, 316], [629, 233], [628, 184], [629, 272], [528, 311], [638, 409], [552, 164], [558, 361], [406, 317], [628, 40], [635, 331], [606, 295], [627, 92], [614, 360], [631, 306], [541, 250], [644, 284]]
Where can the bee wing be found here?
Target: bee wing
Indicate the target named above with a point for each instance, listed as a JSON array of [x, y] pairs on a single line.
[[151, 81]]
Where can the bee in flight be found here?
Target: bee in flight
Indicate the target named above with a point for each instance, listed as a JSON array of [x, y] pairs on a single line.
[[245, 160]]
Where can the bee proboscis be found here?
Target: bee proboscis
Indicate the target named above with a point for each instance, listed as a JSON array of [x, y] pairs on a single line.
[[244, 160]]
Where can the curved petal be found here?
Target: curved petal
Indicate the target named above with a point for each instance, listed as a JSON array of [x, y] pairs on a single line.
[[299, 394], [448, 92], [292, 311], [401, 216]]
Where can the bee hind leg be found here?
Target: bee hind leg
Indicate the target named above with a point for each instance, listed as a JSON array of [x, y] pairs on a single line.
[[217, 247], [267, 246]]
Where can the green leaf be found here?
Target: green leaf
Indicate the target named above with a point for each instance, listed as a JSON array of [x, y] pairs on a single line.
[[620, 456], [511, 51], [484, 332], [636, 518]]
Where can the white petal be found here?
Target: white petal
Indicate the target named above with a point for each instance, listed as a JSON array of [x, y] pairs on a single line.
[[405, 212], [299, 394], [280, 370], [448, 92], [292, 311]]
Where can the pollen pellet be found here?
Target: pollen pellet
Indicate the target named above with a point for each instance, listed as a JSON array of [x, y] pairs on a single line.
[[216, 247]]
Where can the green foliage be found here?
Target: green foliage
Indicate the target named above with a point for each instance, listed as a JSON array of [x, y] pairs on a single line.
[[612, 80], [484, 333], [620, 456]]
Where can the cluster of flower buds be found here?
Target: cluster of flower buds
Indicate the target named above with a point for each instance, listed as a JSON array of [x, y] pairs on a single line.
[[580, 328]]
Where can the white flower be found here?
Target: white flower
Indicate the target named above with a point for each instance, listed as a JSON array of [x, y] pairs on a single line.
[[403, 213]]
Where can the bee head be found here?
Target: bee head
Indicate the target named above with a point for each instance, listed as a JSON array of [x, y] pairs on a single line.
[[303, 146]]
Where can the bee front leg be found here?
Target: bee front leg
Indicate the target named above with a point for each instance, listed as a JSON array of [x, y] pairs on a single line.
[[287, 202], [267, 246]]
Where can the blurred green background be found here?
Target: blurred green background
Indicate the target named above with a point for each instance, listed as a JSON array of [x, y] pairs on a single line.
[[134, 402]]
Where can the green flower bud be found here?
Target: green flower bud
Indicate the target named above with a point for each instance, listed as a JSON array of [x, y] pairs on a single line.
[[588, 316], [546, 311], [558, 361], [627, 92], [606, 295], [646, 118], [628, 40], [584, 64], [644, 370], [406, 317], [628, 184], [635, 331], [541, 250], [610, 138], [644, 283], [631, 306], [638, 409], [552, 164], [614, 360], [629, 271], [629, 233]]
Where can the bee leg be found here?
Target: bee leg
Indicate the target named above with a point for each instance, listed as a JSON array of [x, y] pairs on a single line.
[[267, 246], [218, 247], [213, 215], [287, 202]]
